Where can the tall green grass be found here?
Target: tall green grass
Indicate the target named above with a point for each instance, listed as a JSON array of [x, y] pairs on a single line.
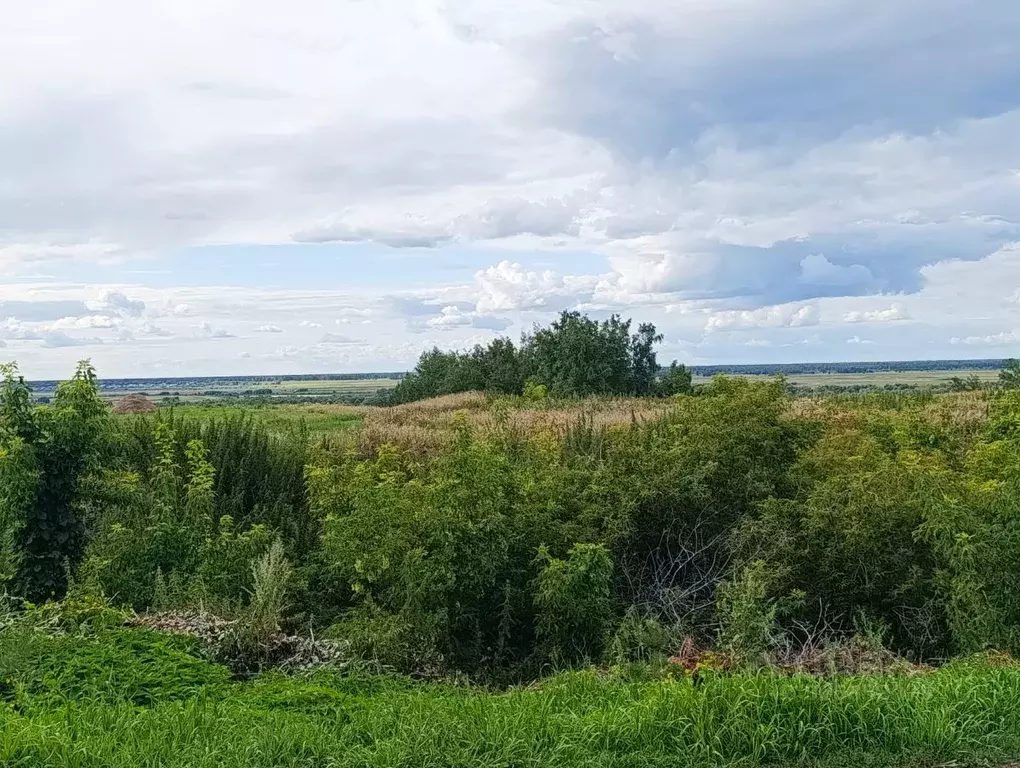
[[969, 713]]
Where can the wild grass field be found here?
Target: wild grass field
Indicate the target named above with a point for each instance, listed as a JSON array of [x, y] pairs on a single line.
[[151, 703], [727, 576]]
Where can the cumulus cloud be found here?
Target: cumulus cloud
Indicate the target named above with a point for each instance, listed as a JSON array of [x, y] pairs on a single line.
[[269, 328], [452, 316], [1003, 338], [309, 324], [86, 321], [888, 315], [858, 340], [12, 328], [149, 329], [780, 316], [511, 286], [116, 301], [206, 330]]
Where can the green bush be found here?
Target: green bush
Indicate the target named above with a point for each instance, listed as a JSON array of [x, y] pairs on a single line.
[[574, 604], [124, 665]]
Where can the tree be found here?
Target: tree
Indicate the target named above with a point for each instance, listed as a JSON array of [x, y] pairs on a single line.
[[1009, 376], [577, 356], [574, 357], [644, 365], [675, 381], [439, 373], [501, 367]]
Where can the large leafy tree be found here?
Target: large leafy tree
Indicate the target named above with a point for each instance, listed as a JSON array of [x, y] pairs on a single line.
[[577, 356]]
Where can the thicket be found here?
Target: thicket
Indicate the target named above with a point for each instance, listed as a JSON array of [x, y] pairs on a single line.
[[574, 357], [734, 520]]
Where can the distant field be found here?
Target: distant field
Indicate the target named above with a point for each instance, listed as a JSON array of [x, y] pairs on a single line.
[[204, 391], [354, 388], [282, 418], [876, 379]]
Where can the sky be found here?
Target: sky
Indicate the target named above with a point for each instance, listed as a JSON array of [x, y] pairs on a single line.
[[217, 187]]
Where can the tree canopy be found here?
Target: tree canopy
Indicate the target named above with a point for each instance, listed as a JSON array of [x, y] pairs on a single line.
[[575, 356]]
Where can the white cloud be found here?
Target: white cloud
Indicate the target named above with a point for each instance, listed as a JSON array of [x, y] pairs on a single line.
[[858, 340], [149, 329], [206, 330], [451, 317], [117, 302], [1003, 338], [12, 328], [309, 324], [269, 328], [86, 321], [510, 286], [888, 315], [779, 316]]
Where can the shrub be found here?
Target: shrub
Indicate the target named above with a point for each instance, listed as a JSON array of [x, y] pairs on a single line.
[[574, 604], [747, 616]]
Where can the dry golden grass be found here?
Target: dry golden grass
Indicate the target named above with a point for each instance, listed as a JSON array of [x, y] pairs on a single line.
[[426, 426], [423, 428]]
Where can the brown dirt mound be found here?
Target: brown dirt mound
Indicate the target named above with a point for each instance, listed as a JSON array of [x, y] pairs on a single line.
[[134, 404]]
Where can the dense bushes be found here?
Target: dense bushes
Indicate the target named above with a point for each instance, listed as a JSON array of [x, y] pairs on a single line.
[[727, 518]]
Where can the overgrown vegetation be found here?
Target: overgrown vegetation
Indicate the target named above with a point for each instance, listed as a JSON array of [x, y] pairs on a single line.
[[709, 544]]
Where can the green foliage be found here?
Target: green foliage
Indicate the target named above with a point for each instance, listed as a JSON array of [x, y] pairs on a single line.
[[155, 527], [271, 578], [535, 392], [574, 604], [225, 565], [576, 356], [439, 373], [747, 616], [974, 528], [968, 715], [259, 476], [56, 448], [675, 381], [1009, 376], [446, 547], [640, 638], [848, 537], [19, 480], [136, 666]]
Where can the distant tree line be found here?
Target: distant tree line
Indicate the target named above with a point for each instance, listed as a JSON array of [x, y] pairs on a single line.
[[575, 356]]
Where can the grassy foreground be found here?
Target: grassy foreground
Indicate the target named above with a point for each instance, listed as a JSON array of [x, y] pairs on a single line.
[[119, 712]]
